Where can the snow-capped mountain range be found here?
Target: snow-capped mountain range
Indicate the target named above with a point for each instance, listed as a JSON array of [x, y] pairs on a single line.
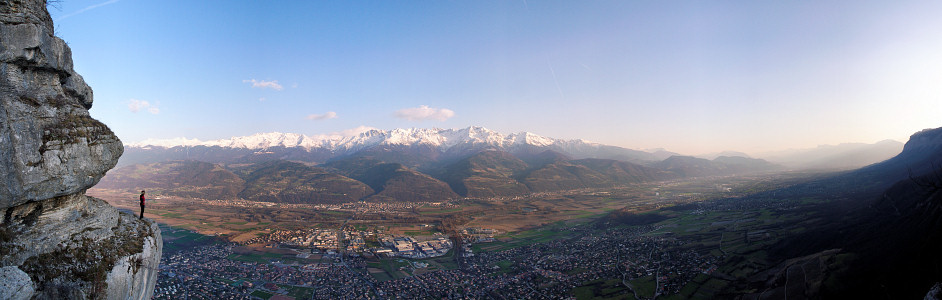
[[443, 139]]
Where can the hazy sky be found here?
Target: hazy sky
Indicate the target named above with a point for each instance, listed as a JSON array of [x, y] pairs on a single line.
[[689, 76]]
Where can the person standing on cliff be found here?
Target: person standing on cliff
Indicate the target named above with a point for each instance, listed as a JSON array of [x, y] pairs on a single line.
[[142, 204]]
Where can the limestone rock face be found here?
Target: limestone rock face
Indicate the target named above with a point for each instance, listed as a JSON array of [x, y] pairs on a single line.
[[55, 242], [49, 145]]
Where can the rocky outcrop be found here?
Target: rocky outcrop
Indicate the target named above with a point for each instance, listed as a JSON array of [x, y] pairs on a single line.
[[924, 140], [55, 242]]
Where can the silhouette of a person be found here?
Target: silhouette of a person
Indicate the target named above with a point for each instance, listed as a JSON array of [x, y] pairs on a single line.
[[142, 204]]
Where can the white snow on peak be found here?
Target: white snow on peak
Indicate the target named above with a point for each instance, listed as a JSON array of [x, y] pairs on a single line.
[[526, 138], [436, 137], [260, 141]]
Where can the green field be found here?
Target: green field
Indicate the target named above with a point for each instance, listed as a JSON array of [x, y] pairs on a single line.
[[645, 286], [444, 262], [524, 238], [261, 294], [504, 266], [176, 239], [298, 292], [381, 276], [391, 266], [172, 215], [440, 211]]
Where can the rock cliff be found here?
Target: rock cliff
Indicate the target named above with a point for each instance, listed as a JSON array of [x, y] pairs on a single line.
[[55, 242]]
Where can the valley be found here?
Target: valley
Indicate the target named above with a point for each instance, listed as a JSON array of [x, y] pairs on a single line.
[[526, 219], [690, 218], [239, 220]]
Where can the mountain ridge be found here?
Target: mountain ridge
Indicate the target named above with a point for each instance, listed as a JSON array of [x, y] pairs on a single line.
[[401, 136], [844, 156], [464, 141]]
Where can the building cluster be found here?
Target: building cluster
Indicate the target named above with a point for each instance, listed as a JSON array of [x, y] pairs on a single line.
[[355, 243], [409, 247], [320, 239]]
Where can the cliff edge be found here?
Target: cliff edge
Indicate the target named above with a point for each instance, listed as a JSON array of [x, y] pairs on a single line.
[[55, 242]]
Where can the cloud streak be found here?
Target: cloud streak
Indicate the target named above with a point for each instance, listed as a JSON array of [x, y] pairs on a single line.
[[319, 117], [87, 8], [423, 112], [264, 84], [137, 105]]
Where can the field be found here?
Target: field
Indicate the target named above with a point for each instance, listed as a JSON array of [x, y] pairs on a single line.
[[523, 238], [191, 214], [261, 294], [240, 220], [176, 239], [390, 268], [298, 292]]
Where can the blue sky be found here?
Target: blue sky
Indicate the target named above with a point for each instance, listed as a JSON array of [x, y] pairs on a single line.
[[689, 76]]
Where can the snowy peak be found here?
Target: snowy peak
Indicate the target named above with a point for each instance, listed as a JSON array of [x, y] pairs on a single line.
[[413, 145], [441, 138], [526, 138], [260, 141]]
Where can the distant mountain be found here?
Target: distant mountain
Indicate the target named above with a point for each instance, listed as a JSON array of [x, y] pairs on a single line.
[[550, 171], [537, 160], [393, 181], [497, 173], [922, 154], [689, 166], [415, 147], [712, 156], [836, 157], [291, 182], [181, 178], [740, 164], [621, 172], [564, 175], [486, 174], [660, 154]]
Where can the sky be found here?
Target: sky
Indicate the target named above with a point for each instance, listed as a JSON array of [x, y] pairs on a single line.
[[693, 77]]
